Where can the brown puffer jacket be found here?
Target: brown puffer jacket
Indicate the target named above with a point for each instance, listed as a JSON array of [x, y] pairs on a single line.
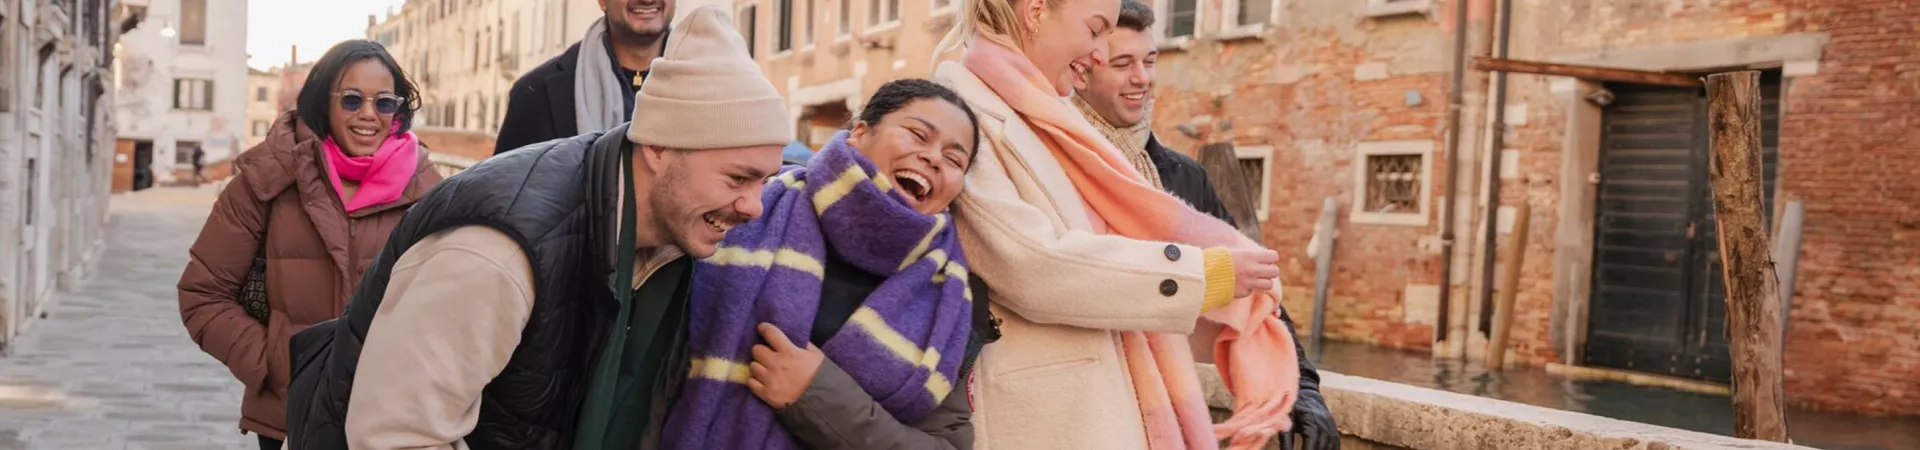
[[315, 254]]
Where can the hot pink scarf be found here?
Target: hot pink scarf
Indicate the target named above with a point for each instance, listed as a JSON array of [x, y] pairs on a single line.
[[382, 175], [1254, 352]]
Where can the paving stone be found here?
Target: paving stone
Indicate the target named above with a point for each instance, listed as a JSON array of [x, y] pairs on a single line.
[[190, 388], [111, 367], [146, 416], [161, 437]]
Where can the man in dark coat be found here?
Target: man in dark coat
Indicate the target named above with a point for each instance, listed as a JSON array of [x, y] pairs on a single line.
[[590, 87], [1116, 98]]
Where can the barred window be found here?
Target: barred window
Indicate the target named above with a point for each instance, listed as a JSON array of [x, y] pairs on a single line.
[[1393, 183]]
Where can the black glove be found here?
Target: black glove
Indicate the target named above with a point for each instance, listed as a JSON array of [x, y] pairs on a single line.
[[1314, 423]]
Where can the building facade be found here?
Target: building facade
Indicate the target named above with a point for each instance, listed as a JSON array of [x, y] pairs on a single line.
[[1349, 101], [1621, 269], [263, 103], [182, 77], [465, 55], [827, 56], [56, 147]]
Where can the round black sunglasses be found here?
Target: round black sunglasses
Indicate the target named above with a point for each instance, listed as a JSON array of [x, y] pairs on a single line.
[[385, 104]]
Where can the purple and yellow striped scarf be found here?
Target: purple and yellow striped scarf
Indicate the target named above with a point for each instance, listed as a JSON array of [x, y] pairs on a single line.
[[903, 345]]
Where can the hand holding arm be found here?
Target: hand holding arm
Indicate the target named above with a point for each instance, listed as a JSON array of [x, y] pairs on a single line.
[[826, 409]]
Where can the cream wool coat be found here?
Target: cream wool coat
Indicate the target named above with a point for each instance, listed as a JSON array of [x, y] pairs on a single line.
[[1057, 378]]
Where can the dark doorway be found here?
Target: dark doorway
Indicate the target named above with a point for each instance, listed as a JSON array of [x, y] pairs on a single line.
[[142, 165], [1658, 304], [820, 122]]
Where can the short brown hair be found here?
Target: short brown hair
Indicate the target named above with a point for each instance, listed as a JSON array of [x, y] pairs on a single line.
[[1135, 16]]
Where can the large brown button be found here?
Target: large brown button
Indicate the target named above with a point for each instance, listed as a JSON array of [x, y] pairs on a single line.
[[1173, 252], [1168, 288]]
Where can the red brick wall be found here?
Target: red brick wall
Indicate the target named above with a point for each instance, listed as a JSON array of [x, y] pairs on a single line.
[[1848, 149], [1851, 149], [1304, 101], [1847, 143]]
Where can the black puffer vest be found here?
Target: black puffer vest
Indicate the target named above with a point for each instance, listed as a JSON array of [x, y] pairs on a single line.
[[557, 200]]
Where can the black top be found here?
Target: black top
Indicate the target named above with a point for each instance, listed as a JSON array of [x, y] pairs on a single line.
[[540, 104], [846, 287], [1187, 179]]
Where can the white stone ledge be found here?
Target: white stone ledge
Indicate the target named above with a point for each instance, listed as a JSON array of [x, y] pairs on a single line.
[[1419, 418]]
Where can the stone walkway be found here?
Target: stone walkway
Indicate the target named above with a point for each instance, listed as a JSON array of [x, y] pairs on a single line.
[[110, 366]]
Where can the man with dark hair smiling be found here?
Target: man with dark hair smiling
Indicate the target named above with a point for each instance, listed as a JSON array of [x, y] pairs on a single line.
[[1117, 99], [589, 88]]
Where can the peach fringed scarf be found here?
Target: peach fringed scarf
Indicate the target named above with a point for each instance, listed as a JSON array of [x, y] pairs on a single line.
[[1254, 352]]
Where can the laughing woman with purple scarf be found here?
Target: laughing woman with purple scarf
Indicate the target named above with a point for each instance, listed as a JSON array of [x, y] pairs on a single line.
[[843, 317]]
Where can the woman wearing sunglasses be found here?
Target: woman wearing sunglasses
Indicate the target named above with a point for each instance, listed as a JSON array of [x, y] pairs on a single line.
[[293, 231]]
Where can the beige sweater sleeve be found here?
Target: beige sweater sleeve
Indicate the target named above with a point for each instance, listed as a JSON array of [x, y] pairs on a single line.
[[454, 309]]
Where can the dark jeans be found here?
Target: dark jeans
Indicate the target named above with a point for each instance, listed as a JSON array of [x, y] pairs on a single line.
[[267, 443]]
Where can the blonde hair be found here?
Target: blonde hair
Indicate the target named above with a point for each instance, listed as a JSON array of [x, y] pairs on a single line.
[[997, 20]]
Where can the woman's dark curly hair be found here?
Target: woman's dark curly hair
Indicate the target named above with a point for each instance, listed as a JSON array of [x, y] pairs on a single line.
[[897, 94]]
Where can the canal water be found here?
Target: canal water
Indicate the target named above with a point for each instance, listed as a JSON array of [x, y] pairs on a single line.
[[1654, 405]]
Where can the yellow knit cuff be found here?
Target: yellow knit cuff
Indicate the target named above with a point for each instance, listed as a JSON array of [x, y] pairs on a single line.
[[1219, 269]]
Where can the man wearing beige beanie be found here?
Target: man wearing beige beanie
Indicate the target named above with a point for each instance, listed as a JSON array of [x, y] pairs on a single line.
[[538, 300]]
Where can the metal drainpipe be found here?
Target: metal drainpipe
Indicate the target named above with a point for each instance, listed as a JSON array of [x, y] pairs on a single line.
[[1493, 174], [1455, 102]]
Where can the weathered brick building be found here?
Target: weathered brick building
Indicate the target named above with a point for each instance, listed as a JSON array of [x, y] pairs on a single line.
[[58, 88], [828, 56], [1620, 269], [1349, 100]]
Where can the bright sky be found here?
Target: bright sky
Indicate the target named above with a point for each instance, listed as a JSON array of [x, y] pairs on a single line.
[[275, 26]]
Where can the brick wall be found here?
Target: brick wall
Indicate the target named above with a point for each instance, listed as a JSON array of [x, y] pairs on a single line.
[[1324, 81], [1850, 151], [1303, 90], [1847, 151]]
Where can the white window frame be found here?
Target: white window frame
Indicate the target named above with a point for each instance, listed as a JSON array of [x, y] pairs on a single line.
[[1230, 26], [1163, 16], [937, 10], [1386, 8], [807, 29], [876, 17], [1359, 214], [7, 89], [187, 99], [183, 156], [1263, 153], [774, 23], [753, 25], [843, 23]]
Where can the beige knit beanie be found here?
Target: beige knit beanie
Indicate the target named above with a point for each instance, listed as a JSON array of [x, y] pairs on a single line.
[[704, 91]]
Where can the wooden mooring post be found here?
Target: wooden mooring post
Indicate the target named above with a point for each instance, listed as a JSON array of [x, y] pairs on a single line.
[[1753, 300], [1239, 192], [1516, 255]]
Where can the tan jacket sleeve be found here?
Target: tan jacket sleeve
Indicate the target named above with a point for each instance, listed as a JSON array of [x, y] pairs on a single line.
[[1079, 278], [209, 288], [452, 316]]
